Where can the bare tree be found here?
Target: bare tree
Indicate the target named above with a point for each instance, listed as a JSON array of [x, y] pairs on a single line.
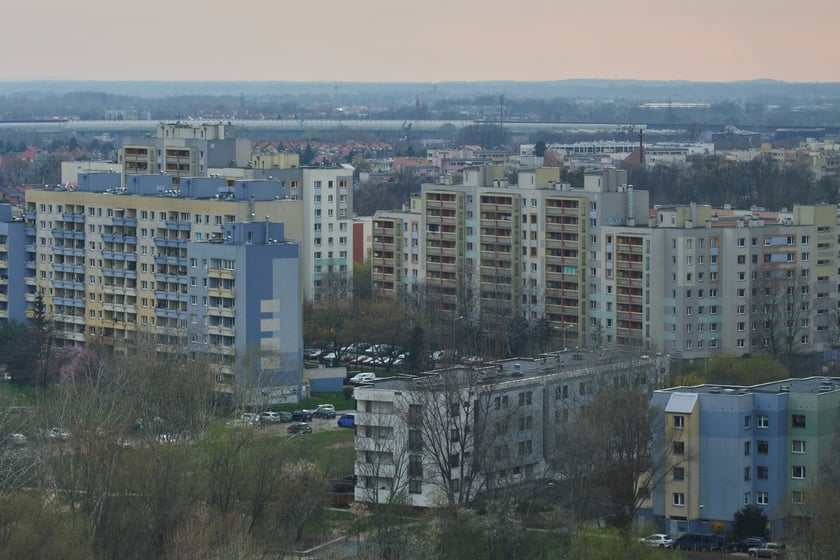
[[461, 419], [781, 301]]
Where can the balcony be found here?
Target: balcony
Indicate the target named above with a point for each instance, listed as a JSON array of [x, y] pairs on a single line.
[[178, 225], [126, 222], [73, 218], [169, 242]]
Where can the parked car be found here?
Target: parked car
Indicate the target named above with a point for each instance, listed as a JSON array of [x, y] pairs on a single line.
[[299, 428], [323, 411], [747, 543], [59, 434], [347, 420], [658, 540], [301, 416], [699, 542], [270, 417], [768, 550], [360, 378], [17, 439]]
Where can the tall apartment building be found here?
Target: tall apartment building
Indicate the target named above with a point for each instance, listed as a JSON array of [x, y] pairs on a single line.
[[603, 269], [465, 431], [184, 150], [113, 263], [13, 265], [396, 252], [326, 196], [494, 251], [728, 447]]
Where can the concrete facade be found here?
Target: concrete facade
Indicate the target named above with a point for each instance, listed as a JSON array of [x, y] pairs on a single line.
[[760, 445]]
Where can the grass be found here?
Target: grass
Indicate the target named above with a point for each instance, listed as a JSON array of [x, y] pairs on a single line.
[[21, 394], [332, 450]]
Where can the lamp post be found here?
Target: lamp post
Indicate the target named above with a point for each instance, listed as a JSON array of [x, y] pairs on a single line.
[[701, 517], [567, 327]]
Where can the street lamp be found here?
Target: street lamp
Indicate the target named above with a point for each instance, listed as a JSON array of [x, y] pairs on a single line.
[[567, 327]]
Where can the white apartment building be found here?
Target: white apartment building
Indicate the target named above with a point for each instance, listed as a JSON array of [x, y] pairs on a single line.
[[450, 435], [326, 194]]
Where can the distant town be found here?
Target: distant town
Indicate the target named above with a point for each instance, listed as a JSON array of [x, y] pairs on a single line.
[[622, 310]]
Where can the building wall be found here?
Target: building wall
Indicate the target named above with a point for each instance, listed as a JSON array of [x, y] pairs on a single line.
[[747, 449], [13, 266]]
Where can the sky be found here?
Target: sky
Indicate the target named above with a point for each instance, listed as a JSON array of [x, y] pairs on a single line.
[[419, 41]]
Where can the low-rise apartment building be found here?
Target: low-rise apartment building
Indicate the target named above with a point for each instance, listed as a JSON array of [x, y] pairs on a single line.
[[729, 447], [450, 435]]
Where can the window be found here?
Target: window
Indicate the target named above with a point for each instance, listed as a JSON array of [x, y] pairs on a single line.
[[798, 446], [762, 473], [747, 447], [762, 498], [762, 446], [796, 497], [679, 499], [798, 471], [415, 487], [679, 448], [762, 421], [747, 498], [679, 422], [415, 465], [747, 422], [679, 473], [798, 421]]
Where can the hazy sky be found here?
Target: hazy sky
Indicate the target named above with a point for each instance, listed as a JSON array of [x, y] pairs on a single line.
[[419, 41]]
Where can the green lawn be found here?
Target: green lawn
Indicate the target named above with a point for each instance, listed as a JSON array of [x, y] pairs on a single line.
[[332, 450], [20, 393]]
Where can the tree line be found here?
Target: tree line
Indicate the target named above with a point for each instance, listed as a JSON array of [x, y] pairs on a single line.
[[124, 457]]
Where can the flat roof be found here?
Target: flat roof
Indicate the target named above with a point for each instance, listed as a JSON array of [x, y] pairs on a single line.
[[815, 384], [572, 362]]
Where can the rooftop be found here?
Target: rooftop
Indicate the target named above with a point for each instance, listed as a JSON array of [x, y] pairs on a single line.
[[568, 364], [792, 385]]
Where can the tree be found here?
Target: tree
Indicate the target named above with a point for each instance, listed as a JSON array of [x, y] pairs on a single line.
[[604, 450], [307, 155], [462, 429], [33, 527], [749, 521]]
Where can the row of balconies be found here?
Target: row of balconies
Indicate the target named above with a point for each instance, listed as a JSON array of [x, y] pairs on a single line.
[[116, 289], [119, 238], [120, 256]]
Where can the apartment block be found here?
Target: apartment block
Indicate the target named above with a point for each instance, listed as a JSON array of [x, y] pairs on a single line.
[[243, 308], [396, 254], [184, 150], [727, 447], [113, 264], [326, 196], [13, 265], [469, 430], [602, 268]]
